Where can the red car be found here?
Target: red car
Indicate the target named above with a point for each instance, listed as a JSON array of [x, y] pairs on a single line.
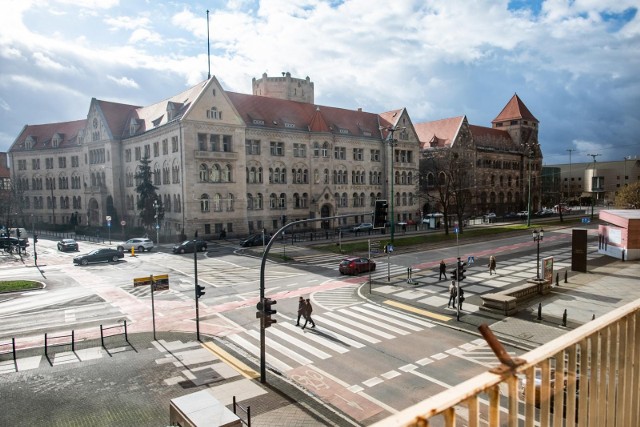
[[356, 265]]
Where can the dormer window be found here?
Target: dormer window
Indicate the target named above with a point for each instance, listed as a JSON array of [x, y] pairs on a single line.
[[29, 142], [344, 131], [133, 127], [56, 140], [289, 125]]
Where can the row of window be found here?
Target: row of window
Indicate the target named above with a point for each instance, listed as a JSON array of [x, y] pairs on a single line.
[[49, 163], [252, 147], [169, 203], [358, 200], [76, 202], [214, 142], [146, 150], [486, 181], [504, 164], [168, 175], [301, 176]]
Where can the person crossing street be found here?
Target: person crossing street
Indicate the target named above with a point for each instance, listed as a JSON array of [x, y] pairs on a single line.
[[308, 309]]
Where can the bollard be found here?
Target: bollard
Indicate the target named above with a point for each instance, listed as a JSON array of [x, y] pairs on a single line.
[[564, 318], [539, 311], [133, 252], [557, 279], [593, 317], [566, 272]]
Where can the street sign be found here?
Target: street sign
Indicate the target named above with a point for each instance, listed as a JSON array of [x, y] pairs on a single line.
[[470, 260], [123, 223], [586, 220], [389, 248], [157, 226], [455, 230], [108, 218], [161, 282]]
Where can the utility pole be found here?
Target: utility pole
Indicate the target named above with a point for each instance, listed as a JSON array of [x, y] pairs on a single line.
[[593, 182], [569, 195], [392, 143]]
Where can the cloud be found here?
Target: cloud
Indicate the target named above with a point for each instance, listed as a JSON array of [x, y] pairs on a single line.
[[144, 35], [127, 23], [4, 105], [124, 82], [45, 62]]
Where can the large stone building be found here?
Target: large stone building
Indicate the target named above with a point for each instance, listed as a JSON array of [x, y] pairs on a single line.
[[503, 162], [221, 160], [225, 160]]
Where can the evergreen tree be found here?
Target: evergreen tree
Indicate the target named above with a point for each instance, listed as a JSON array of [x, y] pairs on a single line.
[[147, 194]]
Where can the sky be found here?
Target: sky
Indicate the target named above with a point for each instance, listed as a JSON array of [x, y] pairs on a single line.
[[574, 63]]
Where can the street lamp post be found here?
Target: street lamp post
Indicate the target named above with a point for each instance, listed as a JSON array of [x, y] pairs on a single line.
[[593, 183], [156, 206], [529, 198], [569, 195], [538, 235], [392, 143], [624, 184]]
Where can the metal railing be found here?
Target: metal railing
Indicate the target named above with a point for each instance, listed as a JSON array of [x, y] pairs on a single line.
[[587, 377]]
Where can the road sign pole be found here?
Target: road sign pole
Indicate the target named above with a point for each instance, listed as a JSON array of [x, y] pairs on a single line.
[[153, 310], [369, 262], [195, 275]]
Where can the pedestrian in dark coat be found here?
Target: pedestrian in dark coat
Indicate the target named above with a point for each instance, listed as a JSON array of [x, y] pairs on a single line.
[[452, 294], [461, 298], [443, 270], [301, 307], [308, 309], [492, 265]]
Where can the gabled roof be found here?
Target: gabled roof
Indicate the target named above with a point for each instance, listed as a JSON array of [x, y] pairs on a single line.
[[388, 119], [515, 110], [116, 115], [442, 132], [41, 135], [273, 113], [155, 115]]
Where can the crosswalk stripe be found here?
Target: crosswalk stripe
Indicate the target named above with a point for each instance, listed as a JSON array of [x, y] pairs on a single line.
[[374, 322], [317, 338], [374, 331], [400, 315], [271, 360], [282, 349], [300, 344], [389, 319], [347, 330]]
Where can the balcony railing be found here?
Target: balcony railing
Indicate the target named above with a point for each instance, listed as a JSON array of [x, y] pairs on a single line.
[[587, 377]]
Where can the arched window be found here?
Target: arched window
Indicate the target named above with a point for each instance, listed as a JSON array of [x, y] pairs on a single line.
[[249, 202], [282, 201], [305, 176], [296, 200], [230, 202], [325, 149], [273, 201], [326, 176], [204, 173], [361, 203], [215, 173], [410, 178], [316, 149], [226, 174], [258, 203], [356, 200], [397, 178], [217, 202], [345, 200], [204, 203]]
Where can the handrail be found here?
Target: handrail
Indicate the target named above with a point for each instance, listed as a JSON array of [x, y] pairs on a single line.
[[607, 379]]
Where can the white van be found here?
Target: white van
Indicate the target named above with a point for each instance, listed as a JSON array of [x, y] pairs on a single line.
[[23, 232]]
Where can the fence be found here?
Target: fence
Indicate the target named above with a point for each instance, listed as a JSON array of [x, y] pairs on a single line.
[[247, 412], [124, 332], [13, 348], [587, 377], [55, 338]]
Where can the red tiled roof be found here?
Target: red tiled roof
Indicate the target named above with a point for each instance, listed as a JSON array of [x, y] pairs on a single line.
[[442, 131], [515, 110], [491, 137], [116, 115], [276, 113], [43, 134], [4, 168]]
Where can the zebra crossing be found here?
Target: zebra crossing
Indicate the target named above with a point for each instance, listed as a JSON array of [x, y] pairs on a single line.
[[342, 330]]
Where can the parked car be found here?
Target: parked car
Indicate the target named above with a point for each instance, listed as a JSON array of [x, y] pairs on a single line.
[[522, 214], [544, 212], [139, 244], [68, 245], [255, 240], [99, 255], [188, 245], [9, 242], [355, 265], [365, 226], [490, 215]]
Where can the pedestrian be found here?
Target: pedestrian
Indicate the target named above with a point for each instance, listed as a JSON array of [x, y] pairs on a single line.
[[443, 270], [223, 234], [300, 310], [452, 294], [308, 309], [460, 298], [492, 265]]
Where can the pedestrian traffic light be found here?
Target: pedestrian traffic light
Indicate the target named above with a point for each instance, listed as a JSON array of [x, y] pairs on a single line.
[[461, 270], [18, 233], [199, 291], [380, 214], [268, 311], [35, 239]]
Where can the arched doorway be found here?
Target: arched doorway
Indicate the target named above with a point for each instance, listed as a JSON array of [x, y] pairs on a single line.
[[93, 213], [325, 211]]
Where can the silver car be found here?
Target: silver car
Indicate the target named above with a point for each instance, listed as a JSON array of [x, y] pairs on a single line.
[[139, 244]]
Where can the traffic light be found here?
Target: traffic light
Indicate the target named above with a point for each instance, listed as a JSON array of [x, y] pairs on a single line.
[[18, 233], [284, 219], [265, 310], [460, 273], [380, 214], [35, 239], [199, 291]]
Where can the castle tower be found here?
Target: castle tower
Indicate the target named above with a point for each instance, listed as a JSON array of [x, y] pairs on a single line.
[[284, 87], [518, 121]]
